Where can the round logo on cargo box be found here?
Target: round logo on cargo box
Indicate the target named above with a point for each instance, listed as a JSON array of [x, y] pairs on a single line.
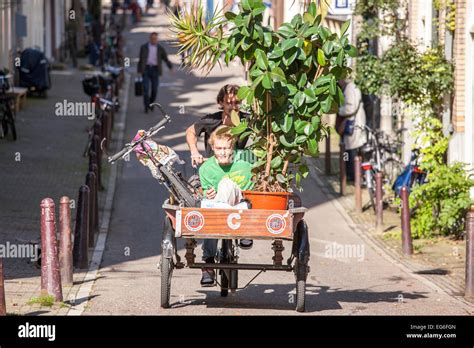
[[194, 221], [276, 224]]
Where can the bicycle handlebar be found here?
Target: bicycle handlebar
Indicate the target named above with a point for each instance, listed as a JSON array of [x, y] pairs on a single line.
[[129, 147]]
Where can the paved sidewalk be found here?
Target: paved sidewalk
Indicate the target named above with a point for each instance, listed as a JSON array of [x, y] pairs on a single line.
[[45, 161], [440, 260]]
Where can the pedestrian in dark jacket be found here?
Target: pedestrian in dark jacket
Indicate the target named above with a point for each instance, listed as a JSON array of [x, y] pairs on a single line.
[[152, 54]]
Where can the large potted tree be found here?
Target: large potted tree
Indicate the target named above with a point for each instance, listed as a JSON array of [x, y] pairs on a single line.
[[292, 82]]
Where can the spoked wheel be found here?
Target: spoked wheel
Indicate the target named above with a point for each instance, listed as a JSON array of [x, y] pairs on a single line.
[[166, 273]]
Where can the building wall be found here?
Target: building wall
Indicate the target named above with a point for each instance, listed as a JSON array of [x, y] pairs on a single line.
[[6, 35], [34, 11]]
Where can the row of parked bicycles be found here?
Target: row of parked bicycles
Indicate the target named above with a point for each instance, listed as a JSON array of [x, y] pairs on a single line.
[[382, 154]]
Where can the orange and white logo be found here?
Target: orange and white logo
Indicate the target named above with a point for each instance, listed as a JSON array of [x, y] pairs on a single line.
[[194, 221], [276, 224]]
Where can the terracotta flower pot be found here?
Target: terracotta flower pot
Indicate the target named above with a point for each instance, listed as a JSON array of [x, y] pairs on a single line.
[[268, 200]]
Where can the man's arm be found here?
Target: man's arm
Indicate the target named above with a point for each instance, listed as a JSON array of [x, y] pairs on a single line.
[[140, 60], [191, 140], [164, 56]]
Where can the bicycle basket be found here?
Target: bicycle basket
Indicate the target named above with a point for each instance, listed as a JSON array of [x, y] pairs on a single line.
[[91, 86]]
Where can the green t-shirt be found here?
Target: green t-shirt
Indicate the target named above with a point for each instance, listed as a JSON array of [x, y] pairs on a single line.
[[240, 172]]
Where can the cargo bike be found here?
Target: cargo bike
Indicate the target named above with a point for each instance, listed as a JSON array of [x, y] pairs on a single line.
[[184, 218]]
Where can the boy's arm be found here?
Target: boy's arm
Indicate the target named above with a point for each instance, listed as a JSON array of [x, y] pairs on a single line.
[[205, 183]]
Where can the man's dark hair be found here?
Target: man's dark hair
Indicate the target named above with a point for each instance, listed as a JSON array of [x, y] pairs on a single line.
[[154, 33], [227, 89]]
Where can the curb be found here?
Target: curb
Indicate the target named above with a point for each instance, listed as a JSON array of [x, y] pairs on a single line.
[[91, 275], [443, 287]]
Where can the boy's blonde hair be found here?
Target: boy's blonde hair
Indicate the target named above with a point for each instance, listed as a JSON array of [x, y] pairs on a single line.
[[222, 132]]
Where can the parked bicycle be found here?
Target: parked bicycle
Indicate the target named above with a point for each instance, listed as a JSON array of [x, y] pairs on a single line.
[[7, 113]]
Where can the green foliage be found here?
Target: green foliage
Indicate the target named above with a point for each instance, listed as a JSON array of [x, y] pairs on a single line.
[[442, 202], [46, 301], [293, 74]]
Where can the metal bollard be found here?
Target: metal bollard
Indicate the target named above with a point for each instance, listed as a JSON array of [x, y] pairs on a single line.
[[50, 270], [65, 245], [92, 184], [469, 291], [357, 184], [96, 146], [407, 245], [96, 214], [342, 168], [378, 201], [98, 129], [81, 233], [93, 161], [327, 155], [3, 306]]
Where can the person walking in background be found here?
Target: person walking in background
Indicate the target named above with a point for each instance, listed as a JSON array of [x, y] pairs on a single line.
[[152, 54], [350, 121]]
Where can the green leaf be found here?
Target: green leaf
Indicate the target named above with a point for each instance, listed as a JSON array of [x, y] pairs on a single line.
[[276, 53], [267, 82], [327, 47], [300, 126], [315, 120], [289, 57], [333, 87], [286, 30], [351, 50], [303, 170], [261, 59], [257, 81], [345, 26], [288, 44], [310, 31], [267, 38], [312, 147], [287, 123], [300, 139], [245, 4], [256, 72], [326, 104], [285, 142], [276, 162], [308, 129], [258, 11], [340, 58], [340, 96], [321, 58], [239, 129], [277, 74], [308, 18], [312, 9], [302, 81], [230, 15], [235, 118], [298, 99], [310, 95], [245, 135], [243, 92], [280, 178]]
